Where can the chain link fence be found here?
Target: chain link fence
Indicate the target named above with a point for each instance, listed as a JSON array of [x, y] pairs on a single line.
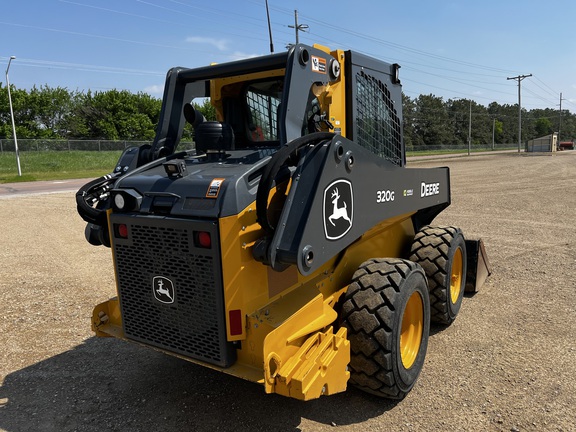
[[461, 147], [24, 145]]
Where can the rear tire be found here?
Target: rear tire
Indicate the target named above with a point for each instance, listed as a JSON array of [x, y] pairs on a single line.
[[387, 313], [441, 251]]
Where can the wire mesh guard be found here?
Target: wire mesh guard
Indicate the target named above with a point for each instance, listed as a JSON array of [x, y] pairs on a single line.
[[377, 123], [264, 116], [190, 324]]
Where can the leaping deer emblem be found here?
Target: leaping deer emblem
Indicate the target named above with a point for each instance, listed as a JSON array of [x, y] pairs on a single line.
[[160, 290], [338, 213]]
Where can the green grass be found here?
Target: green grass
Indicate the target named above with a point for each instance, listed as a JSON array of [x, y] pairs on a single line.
[[56, 165], [63, 165], [454, 151]]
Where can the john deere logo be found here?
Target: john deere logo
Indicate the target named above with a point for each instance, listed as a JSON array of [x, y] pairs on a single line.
[[163, 289], [338, 209]]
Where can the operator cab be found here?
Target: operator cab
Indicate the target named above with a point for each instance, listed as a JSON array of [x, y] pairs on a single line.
[[249, 118], [260, 103]]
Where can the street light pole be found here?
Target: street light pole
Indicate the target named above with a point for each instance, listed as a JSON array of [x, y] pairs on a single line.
[[12, 115]]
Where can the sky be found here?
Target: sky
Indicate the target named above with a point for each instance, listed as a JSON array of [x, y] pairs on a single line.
[[454, 49]]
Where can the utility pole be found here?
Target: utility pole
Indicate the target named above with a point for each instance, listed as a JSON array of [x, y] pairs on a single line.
[[469, 126], [560, 124], [493, 131], [519, 78], [298, 27], [269, 28]]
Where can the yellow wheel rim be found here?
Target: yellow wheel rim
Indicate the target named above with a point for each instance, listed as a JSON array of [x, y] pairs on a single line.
[[456, 276], [412, 329]]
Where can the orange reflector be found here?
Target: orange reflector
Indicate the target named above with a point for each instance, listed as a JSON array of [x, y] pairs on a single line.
[[235, 317]]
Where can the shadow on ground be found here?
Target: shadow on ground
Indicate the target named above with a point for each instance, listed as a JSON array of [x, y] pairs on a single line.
[[106, 384]]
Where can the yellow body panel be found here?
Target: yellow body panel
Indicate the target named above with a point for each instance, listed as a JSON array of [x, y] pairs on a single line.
[[333, 99], [283, 322], [290, 341]]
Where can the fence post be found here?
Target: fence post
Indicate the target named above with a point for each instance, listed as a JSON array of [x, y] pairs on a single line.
[[1, 148]]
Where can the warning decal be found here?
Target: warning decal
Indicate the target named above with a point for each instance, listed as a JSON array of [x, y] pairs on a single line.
[[319, 64], [214, 188]]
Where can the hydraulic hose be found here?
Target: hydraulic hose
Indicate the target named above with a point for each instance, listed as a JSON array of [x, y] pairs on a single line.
[[271, 171], [90, 195]]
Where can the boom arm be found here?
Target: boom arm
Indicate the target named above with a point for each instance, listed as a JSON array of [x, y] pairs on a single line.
[[339, 192]]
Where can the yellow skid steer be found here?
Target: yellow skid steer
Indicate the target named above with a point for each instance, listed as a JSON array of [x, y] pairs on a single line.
[[292, 247]]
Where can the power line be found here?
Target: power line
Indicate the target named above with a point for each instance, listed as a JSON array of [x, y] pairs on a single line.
[[552, 91], [182, 10], [539, 97], [84, 67], [423, 53], [399, 46]]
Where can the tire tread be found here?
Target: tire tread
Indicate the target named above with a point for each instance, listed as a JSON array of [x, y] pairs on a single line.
[[367, 314]]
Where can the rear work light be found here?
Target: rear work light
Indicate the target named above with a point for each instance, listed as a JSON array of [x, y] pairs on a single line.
[[124, 200]]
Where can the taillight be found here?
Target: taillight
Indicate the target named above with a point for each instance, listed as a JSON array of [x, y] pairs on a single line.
[[202, 239], [121, 231]]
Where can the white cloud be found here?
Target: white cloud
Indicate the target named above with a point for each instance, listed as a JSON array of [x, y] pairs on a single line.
[[237, 55], [220, 44], [155, 89]]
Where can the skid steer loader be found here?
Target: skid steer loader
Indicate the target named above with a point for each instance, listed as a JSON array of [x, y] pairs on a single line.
[[292, 247]]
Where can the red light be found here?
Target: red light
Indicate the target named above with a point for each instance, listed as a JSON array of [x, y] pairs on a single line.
[[121, 230], [203, 239], [235, 317]]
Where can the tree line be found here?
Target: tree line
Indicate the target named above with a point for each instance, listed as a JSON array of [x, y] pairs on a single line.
[[58, 113], [429, 121]]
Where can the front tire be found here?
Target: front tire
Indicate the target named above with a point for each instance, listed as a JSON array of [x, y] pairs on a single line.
[[441, 251], [387, 313]]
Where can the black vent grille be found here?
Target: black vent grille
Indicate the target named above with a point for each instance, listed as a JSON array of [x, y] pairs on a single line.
[[378, 125], [193, 324]]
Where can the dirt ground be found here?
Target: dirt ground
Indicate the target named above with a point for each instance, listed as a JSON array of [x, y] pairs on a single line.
[[508, 363]]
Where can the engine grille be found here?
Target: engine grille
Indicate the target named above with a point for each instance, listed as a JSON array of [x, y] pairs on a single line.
[[170, 291]]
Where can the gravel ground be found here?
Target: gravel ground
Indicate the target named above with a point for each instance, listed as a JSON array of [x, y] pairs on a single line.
[[507, 364]]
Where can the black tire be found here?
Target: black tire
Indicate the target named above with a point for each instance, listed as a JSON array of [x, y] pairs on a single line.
[[441, 251], [387, 313]]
